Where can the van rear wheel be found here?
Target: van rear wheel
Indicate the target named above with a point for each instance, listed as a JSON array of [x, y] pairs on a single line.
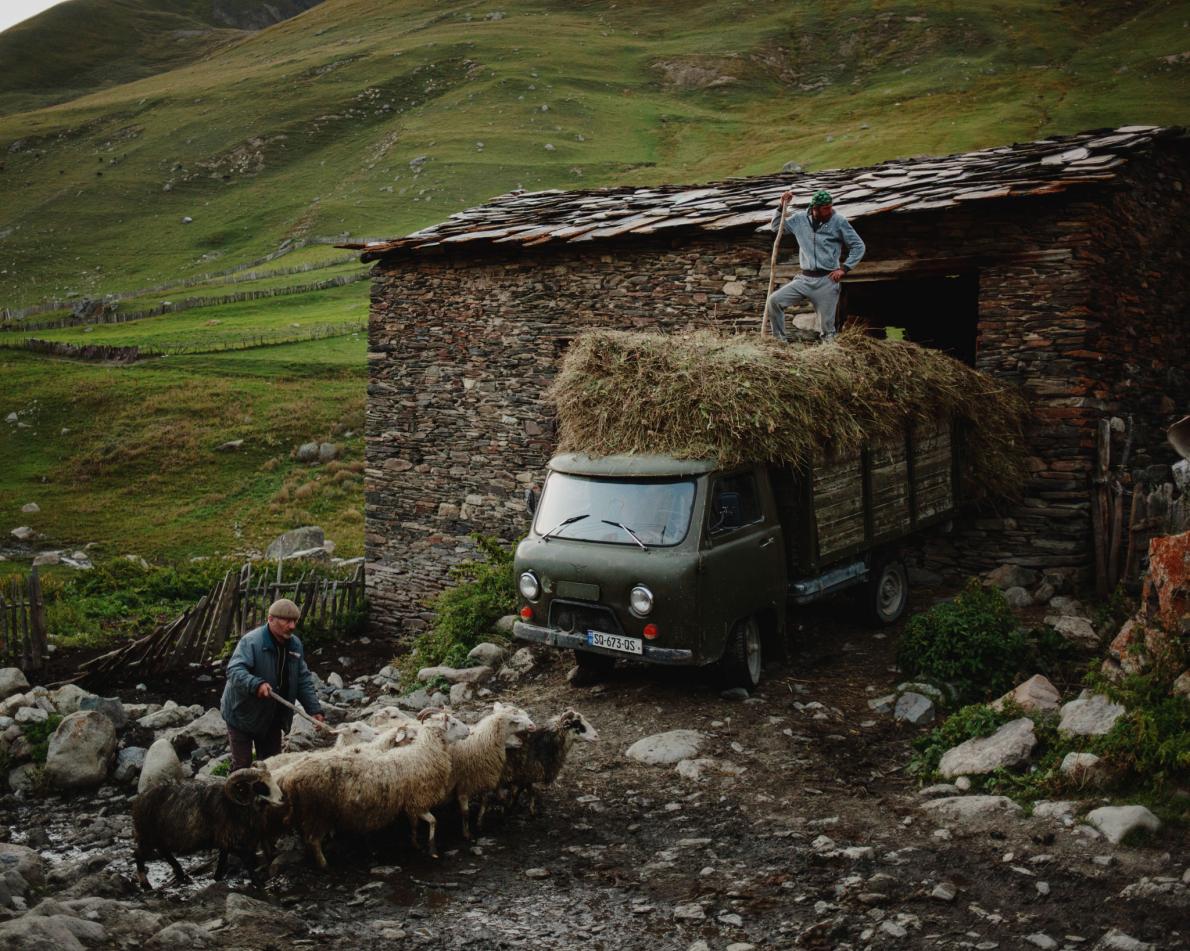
[[741, 661], [887, 591]]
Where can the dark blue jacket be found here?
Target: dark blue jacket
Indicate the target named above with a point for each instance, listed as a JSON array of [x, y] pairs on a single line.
[[253, 663]]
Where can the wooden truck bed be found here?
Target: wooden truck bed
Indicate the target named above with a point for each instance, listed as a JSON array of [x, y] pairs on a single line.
[[841, 506]]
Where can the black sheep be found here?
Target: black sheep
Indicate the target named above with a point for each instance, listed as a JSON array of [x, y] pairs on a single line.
[[191, 816], [542, 755]]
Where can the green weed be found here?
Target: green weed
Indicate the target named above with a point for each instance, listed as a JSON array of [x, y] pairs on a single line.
[[38, 735]]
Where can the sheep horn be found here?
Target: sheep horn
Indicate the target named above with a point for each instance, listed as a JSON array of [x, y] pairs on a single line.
[[238, 786], [428, 712]]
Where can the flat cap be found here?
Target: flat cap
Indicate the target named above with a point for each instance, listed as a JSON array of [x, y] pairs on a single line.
[[284, 608]]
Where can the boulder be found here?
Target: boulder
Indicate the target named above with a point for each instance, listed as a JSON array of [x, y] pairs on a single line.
[[44, 558], [161, 766], [81, 751], [23, 860], [129, 762], [45, 932], [666, 749], [1115, 822], [327, 451], [30, 508], [1077, 630], [316, 554], [465, 675], [1054, 809], [208, 730], [23, 534], [1166, 594], [1116, 940], [182, 934], [960, 808], [1018, 598], [1085, 769], [1069, 607], [1035, 695], [66, 699], [913, 708], [298, 539], [505, 624], [12, 680], [1181, 686], [307, 452], [1011, 576], [1090, 715], [461, 693], [242, 910], [487, 655], [170, 715], [25, 777], [110, 707], [1008, 746]]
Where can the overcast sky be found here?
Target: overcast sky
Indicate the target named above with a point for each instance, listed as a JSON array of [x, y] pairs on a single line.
[[14, 11]]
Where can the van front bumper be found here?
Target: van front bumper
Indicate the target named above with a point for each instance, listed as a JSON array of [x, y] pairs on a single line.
[[555, 638]]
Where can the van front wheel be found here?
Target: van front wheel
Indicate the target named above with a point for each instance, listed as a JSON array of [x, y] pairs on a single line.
[[741, 660]]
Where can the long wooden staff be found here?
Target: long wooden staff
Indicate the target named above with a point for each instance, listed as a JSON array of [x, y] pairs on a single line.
[[302, 713], [764, 317]]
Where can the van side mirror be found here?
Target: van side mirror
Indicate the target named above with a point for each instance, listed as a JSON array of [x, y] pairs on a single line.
[[532, 495]]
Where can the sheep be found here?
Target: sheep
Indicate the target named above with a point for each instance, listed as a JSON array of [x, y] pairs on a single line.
[[477, 762], [190, 816], [364, 789], [542, 755]]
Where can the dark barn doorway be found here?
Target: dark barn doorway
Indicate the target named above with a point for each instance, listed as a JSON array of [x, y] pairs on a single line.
[[936, 311]]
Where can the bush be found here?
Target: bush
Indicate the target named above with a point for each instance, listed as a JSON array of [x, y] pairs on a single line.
[[1150, 744], [38, 735], [467, 612], [972, 643], [221, 769]]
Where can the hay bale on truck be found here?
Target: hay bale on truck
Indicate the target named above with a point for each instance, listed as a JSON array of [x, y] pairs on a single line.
[[704, 484]]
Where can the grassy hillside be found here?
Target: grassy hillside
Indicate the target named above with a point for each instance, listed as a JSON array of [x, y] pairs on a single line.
[[79, 46], [374, 118], [315, 126]]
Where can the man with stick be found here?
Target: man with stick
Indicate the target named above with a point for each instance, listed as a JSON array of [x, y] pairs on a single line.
[[822, 235], [267, 666]]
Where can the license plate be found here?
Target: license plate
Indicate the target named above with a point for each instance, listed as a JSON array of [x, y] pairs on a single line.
[[614, 642]]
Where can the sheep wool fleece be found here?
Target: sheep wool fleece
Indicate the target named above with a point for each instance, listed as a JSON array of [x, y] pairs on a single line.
[[255, 661]]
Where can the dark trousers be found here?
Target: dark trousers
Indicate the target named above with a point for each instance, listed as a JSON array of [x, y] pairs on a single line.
[[268, 744]]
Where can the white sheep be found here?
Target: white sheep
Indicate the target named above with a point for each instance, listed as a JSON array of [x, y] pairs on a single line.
[[477, 762], [365, 788], [542, 754]]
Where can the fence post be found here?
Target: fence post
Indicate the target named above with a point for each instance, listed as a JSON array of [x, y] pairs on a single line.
[[38, 625]]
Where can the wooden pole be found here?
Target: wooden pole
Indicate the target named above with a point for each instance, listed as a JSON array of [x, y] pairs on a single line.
[[38, 621], [764, 317], [1099, 505]]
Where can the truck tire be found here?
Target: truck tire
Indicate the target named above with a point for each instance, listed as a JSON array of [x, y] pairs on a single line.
[[741, 661], [887, 591]]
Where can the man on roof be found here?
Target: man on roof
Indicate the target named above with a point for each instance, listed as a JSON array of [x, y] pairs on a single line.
[[823, 236]]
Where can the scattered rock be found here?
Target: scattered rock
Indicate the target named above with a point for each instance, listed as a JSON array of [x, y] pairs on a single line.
[[327, 451], [697, 770], [129, 762], [461, 693], [505, 624], [307, 452], [1115, 822], [110, 707], [242, 910], [1018, 598], [66, 699], [23, 534], [161, 765], [1043, 941], [12, 680], [207, 731], [961, 808], [1008, 746], [944, 891], [883, 704], [734, 693], [232, 445], [1012, 576], [295, 540], [41, 559], [465, 675], [170, 715], [1056, 809], [30, 508], [1035, 695], [1087, 769], [666, 749], [81, 751], [1092, 715], [1116, 940], [488, 654], [914, 708], [1077, 630], [690, 912], [182, 934]]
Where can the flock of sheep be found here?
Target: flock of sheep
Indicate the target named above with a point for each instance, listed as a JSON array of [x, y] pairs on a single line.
[[371, 777]]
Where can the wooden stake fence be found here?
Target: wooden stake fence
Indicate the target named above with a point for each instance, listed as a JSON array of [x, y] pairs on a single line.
[[236, 604], [23, 627]]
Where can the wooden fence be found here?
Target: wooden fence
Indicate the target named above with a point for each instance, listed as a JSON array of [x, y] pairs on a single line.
[[23, 624], [234, 605]]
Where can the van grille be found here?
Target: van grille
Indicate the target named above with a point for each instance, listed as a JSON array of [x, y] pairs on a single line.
[[580, 617]]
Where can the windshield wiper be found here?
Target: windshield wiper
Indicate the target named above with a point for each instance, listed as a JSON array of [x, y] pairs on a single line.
[[563, 524], [643, 546]]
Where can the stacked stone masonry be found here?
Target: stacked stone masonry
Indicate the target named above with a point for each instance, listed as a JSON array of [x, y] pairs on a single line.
[[463, 344]]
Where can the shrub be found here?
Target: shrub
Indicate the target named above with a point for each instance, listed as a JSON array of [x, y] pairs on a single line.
[[38, 735], [972, 643], [1150, 744], [466, 613], [221, 769]]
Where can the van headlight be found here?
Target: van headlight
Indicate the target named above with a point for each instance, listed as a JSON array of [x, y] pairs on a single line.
[[529, 587], [640, 599]]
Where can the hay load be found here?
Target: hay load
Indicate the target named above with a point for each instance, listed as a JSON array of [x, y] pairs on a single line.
[[748, 399]]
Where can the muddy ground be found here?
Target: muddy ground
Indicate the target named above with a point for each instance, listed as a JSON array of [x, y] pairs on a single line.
[[626, 856]]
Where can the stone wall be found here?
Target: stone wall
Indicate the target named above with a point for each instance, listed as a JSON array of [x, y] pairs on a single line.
[[462, 346]]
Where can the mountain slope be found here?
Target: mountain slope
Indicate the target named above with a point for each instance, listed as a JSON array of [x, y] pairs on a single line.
[[375, 118], [83, 45]]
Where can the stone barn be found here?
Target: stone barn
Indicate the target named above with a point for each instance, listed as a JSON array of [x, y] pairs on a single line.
[[1059, 265]]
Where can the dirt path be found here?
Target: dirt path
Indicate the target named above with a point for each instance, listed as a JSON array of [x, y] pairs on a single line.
[[818, 842]]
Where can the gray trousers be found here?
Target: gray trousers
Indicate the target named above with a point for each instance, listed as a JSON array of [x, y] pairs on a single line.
[[822, 292]]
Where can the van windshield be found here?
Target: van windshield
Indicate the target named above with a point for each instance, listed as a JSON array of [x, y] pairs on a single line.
[[657, 511]]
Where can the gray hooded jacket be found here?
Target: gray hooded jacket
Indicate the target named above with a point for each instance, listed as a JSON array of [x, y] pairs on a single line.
[[822, 249]]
